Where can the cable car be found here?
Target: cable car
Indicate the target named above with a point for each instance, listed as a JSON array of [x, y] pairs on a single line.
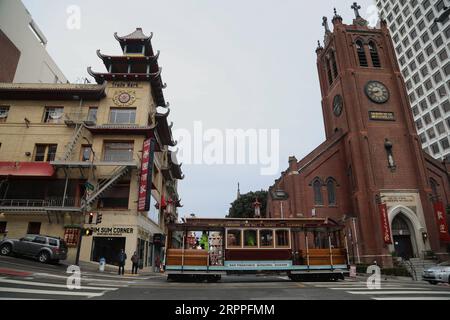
[[303, 248]]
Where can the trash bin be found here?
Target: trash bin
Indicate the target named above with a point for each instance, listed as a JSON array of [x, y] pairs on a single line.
[[102, 264]]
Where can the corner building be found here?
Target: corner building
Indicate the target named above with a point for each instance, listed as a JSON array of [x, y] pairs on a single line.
[[371, 173], [72, 155]]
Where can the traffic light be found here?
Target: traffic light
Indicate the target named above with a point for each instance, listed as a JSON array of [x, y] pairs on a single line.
[[99, 217], [87, 232], [91, 218]]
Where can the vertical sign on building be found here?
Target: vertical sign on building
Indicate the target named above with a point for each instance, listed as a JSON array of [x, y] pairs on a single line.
[[145, 185], [385, 223], [442, 221]]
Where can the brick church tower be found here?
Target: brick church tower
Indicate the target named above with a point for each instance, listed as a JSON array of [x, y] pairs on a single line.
[[371, 168]]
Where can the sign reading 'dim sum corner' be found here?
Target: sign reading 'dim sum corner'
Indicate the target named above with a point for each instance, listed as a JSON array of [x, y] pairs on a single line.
[[381, 116]]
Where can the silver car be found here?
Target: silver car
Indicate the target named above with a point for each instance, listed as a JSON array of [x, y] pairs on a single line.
[[439, 273], [44, 248]]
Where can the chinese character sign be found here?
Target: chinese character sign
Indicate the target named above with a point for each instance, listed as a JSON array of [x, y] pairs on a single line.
[[442, 221], [145, 185], [385, 223]]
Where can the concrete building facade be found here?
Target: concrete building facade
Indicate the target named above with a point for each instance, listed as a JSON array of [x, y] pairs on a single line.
[[421, 34], [23, 54]]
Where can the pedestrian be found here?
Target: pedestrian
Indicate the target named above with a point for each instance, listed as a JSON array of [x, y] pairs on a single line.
[[122, 259], [135, 261]]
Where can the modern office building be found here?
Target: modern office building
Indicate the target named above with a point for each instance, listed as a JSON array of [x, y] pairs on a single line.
[[421, 33], [23, 54]]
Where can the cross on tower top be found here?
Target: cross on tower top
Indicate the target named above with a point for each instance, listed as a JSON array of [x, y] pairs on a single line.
[[356, 8]]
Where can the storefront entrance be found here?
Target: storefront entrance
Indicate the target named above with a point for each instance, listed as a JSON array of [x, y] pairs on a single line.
[[108, 248], [402, 237]]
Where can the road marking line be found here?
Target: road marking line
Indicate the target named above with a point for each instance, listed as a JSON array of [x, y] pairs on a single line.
[[48, 275], [376, 292], [2, 299], [393, 288], [413, 298], [49, 292], [44, 284]]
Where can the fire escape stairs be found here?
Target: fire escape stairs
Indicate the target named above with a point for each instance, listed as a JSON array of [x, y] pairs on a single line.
[[73, 142], [105, 185]]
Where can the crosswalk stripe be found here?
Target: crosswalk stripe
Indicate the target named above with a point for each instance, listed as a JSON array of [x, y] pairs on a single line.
[[48, 275], [51, 292], [413, 298], [376, 292], [384, 288], [43, 284]]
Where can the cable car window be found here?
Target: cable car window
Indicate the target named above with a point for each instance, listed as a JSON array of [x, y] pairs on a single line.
[[282, 237], [250, 238], [234, 239], [266, 238]]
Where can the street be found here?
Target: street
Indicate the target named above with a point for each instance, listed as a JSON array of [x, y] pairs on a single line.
[[28, 279]]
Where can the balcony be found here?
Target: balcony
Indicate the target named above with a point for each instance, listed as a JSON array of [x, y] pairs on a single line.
[[39, 205], [72, 119]]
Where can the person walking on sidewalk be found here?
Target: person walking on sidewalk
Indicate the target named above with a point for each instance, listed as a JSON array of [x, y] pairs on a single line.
[[135, 261], [122, 259]]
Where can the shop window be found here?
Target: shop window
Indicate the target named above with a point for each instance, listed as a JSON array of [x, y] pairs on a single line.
[[122, 116], [4, 111], [45, 152], [250, 239], [266, 238], [107, 248], [34, 228], [54, 115], [71, 236], [234, 239], [118, 151], [282, 238]]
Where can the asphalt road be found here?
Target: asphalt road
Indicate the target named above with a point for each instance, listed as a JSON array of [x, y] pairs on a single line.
[[28, 279]]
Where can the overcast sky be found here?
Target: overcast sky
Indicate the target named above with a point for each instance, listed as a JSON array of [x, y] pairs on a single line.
[[230, 64]]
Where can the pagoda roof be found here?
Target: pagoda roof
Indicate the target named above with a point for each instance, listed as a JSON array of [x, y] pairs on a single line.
[[138, 34], [47, 91], [128, 58], [172, 170], [164, 130]]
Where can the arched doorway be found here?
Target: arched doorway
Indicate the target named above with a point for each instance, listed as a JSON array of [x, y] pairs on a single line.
[[403, 237]]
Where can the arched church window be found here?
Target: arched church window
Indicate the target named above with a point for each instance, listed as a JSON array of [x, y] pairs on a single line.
[[334, 64], [374, 55], [318, 198], [331, 190], [361, 54]]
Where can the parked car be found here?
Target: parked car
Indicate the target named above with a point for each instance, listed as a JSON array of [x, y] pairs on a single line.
[[44, 248], [439, 273]]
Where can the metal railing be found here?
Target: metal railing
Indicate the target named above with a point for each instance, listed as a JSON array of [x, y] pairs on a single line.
[[80, 117], [38, 203]]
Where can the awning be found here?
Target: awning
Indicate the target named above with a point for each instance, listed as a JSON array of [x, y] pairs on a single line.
[[26, 169]]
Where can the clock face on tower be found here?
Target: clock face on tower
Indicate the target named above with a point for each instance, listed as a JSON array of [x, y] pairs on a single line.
[[377, 92], [338, 105]]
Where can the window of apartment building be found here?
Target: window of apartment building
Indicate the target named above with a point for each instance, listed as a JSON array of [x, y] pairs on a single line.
[[3, 227], [433, 63], [434, 28], [409, 22], [424, 71], [118, 151], [429, 15], [440, 5], [402, 61], [86, 153], [427, 118], [409, 54], [438, 41], [413, 66], [435, 148], [443, 55], [45, 152], [425, 37], [417, 46], [417, 13], [431, 133], [437, 77], [447, 69], [92, 114], [419, 91], [444, 144], [423, 105], [423, 138], [415, 111], [34, 228], [4, 111], [421, 25], [53, 115], [442, 91], [446, 106], [414, 3], [412, 97], [419, 124], [405, 42], [436, 113], [447, 32], [117, 197], [432, 98], [440, 127], [122, 116], [429, 50], [448, 122], [428, 84], [416, 78]]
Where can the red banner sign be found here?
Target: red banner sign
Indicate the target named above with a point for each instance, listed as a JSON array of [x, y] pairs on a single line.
[[385, 223], [145, 185], [442, 221]]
